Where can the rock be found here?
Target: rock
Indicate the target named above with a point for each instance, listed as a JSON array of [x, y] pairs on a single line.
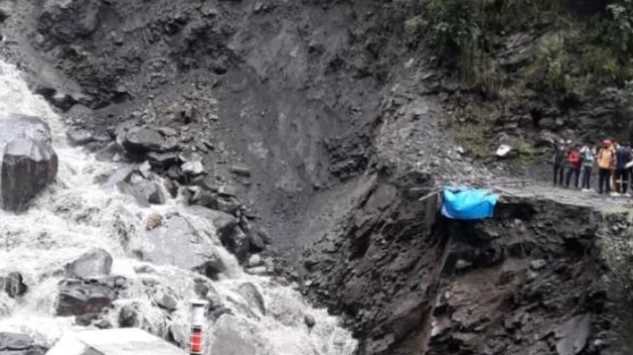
[[19, 344], [537, 264], [177, 242], [139, 141], [503, 151], [77, 297], [237, 243], [193, 168], [93, 264], [168, 131], [255, 260], [68, 20], [129, 316], [309, 321], [573, 335], [167, 302], [241, 170], [233, 338], [5, 11], [153, 221], [258, 270], [163, 160], [192, 164], [110, 152], [171, 186], [145, 192], [13, 284], [213, 268], [256, 242], [28, 161], [215, 201], [79, 137], [111, 342], [252, 296]]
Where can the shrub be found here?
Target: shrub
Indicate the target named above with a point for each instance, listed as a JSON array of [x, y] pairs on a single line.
[[618, 28], [453, 26]]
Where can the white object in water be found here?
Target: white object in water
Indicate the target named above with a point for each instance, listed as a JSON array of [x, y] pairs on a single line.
[[503, 150], [126, 341]]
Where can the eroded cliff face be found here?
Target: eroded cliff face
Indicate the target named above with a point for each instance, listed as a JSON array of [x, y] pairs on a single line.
[[530, 281]]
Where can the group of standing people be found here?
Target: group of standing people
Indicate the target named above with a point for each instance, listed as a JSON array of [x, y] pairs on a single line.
[[614, 162]]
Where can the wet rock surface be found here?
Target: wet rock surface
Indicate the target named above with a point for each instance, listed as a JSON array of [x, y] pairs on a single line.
[[177, 242], [28, 161], [87, 298], [19, 344], [13, 285], [93, 264]]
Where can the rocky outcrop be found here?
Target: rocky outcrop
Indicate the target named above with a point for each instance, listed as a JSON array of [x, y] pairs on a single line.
[[67, 21], [19, 344], [541, 271], [28, 162], [382, 268], [516, 284]]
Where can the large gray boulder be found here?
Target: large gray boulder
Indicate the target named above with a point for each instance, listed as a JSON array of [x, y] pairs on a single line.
[[177, 241], [92, 264], [28, 162]]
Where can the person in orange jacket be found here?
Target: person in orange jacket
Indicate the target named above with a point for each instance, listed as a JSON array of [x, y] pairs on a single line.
[[606, 163]]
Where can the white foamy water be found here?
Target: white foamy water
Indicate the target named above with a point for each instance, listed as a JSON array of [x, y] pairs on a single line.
[[77, 214]]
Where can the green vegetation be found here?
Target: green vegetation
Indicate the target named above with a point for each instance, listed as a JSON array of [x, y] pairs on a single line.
[[514, 51], [570, 54]]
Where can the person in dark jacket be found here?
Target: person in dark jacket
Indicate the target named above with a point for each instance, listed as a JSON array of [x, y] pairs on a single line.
[[622, 158], [558, 160], [575, 161]]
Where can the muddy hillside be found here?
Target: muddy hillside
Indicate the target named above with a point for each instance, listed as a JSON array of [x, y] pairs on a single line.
[[314, 136]]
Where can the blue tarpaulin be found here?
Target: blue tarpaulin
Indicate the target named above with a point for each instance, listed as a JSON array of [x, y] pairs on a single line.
[[468, 204]]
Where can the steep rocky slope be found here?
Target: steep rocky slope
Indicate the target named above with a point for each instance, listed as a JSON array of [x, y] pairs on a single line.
[[530, 281], [301, 94]]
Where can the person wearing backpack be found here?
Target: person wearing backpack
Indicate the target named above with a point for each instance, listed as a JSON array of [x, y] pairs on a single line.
[[623, 157], [606, 158], [575, 161], [558, 159], [588, 158]]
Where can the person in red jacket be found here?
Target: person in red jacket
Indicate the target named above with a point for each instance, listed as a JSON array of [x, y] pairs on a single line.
[[574, 161]]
